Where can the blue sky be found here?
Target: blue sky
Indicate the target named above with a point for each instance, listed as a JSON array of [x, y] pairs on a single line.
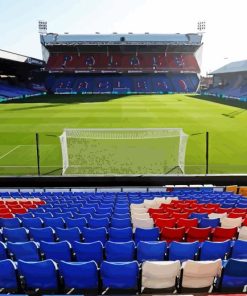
[[224, 41]]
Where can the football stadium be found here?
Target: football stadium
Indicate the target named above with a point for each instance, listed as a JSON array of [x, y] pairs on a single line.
[[123, 166]]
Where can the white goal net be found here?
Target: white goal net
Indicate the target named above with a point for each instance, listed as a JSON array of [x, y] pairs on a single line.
[[133, 151]]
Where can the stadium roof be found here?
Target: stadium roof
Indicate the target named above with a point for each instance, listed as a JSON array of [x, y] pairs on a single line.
[[14, 57], [129, 39], [234, 67]]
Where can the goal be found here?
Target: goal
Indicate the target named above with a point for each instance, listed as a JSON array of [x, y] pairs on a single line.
[[133, 151]]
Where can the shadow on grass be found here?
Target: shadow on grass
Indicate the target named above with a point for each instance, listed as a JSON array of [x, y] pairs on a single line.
[[60, 100], [223, 101]]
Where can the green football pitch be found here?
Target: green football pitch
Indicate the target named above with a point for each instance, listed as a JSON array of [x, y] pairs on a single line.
[[225, 120]]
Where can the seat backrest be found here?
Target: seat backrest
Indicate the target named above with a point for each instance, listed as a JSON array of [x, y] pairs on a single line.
[[187, 223], [120, 223], [39, 275], [15, 234], [215, 250], [119, 275], [27, 251], [119, 252], [76, 222], [3, 251], [169, 222], [96, 223], [146, 234], [120, 234], [79, 275], [10, 222], [239, 250], [172, 234], [217, 215], [32, 222], [231, 222], [95, 234], [142, 223], [160, 274], [234, 275], [151, 251], [206, 222], [222, 234], [70, 234], [243, 233], [88, 251], [200, 234], [42, 234], [8, 275], [54, 222], [56, 251], [200, 274], [183, 251]]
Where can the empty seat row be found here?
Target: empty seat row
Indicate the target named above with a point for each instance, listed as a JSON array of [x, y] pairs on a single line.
[[170, 276], [123, 251]]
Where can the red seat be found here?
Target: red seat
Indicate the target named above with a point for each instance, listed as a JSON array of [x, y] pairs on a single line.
[[244, 222], [187, 223], [206, 210], [6, 215], [18, 210], [155, 216], [223, 210], [238, 210], [5, 210], [173, 210], [221, 234], [236, 215], [180, 215], [152, 211], [173, 234], [198, 234], [161, 223], [212, 206]]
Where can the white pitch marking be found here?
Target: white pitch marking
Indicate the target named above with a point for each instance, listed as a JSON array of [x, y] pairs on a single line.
[[16, 147]]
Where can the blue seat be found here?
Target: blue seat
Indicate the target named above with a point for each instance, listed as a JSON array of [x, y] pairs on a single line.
[[119, 252], [63, 215], [42, 234], [97, 223], [54, 222], [88, 251], [206, 222], [215, 250], [27, 251], [40, 275], [87, 211], [121, 210], [151, 251], [56, 251], [198, 216], [78, 222], [43, 215], [15, 234], [70, 235], [85, 216], [120, 275], [101, 216], [26, 215], [148, 234], [10, 222], [234, 276], [239, 250], [3, 251], [120, 234], [121, 216], [79, 275], [94, 234], [183, 251], [120, 223], [32, 222], [8, 275], [105, 210]]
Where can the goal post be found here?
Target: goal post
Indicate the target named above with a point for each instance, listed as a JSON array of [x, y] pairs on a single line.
[[123, 151]]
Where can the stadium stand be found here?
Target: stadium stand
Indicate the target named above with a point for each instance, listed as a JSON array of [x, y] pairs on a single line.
[[16, 78], [122, 64], [94, 258], [230, 81]]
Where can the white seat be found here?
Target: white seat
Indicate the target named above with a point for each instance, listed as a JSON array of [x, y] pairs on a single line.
[[137, 206], [217, 215], [138, 210], [160, 274], [140, 216], [150, 204], [200, 274], [161, 200], [231, 222], [142, 223], [243, 233]]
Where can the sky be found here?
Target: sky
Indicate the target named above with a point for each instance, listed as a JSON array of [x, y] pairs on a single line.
[[224, 40]]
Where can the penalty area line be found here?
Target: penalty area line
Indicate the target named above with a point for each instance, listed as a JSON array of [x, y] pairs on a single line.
[[16, 147]]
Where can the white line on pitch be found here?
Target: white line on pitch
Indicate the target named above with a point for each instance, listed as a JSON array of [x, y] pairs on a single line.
[[16, 147]]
